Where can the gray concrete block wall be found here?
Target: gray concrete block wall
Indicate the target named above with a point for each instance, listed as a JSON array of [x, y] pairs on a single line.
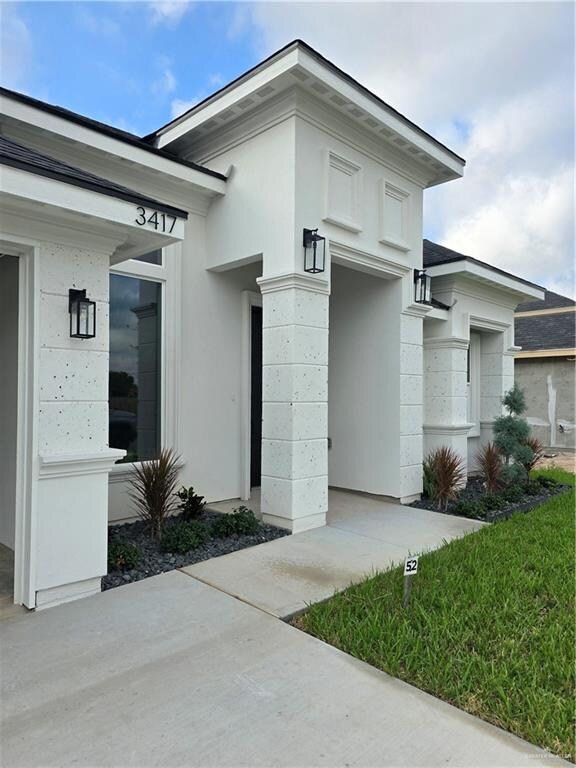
[[549, 385]]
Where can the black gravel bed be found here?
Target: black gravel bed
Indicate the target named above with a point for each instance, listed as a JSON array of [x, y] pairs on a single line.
[[154, 561], [474, 491]]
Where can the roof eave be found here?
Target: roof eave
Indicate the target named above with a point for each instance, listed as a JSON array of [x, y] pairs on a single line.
[[299, 59], [484, 273]]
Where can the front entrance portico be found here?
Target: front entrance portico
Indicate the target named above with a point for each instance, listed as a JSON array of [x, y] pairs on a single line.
[[61, 241]]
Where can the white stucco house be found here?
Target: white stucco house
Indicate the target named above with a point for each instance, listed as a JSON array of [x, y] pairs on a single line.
[[210, 334]]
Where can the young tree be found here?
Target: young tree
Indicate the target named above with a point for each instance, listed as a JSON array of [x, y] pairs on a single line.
[[510, 435]]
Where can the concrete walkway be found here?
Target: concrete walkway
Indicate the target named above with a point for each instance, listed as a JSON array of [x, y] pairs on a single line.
[[364, 534], [170, 672]]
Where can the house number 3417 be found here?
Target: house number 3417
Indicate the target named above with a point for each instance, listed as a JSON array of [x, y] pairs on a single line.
[[162, 222]]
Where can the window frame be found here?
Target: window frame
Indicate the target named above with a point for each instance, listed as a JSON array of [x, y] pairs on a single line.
[[165, 275], [473, 385]]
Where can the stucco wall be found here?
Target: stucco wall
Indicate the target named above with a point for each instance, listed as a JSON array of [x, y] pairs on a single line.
[[363, 383], [8, 395], [550, 388]]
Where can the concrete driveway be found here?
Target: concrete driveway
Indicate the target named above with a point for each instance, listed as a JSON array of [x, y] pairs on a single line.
[[171, 672]]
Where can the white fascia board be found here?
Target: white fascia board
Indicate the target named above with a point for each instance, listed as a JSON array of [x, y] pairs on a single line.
[[117, 217], [49, 123], [483, 274], [224, 100]]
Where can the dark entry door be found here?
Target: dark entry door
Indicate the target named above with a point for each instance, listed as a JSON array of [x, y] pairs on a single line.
[[256, 408]]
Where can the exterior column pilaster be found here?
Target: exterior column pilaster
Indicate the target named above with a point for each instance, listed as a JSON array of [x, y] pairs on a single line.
[[70, 519], [294, 401], [496, 378], [445, 394]]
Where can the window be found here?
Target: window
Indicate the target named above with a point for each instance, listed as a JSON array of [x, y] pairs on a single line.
[[154, 257], [134, 384], [473, 384]]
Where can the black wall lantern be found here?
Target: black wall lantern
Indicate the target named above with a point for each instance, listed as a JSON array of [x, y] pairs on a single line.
[[314, 251], [422, 287], [82, 315]]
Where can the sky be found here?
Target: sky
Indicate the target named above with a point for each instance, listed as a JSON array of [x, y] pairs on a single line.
[[494, 81]]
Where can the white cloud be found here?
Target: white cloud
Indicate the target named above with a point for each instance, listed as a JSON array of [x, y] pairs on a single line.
[[495, 82], [169, 12], [166, 82], [16, 50], [179, 106]]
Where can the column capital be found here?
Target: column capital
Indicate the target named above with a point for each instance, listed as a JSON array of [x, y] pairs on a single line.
[[446, 342], [288, 280]]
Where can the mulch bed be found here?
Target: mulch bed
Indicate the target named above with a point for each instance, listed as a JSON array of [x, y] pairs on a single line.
[[474, 491], [154, 561]]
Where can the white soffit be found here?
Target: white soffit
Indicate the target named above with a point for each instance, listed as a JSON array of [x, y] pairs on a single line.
[[298, 66], [484, 274]]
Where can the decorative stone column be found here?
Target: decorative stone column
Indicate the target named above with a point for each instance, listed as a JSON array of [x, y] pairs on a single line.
[[496, 377], [445, 394], [295, 401], [69, 523]]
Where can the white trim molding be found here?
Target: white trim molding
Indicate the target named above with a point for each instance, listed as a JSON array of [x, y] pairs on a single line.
[[446, 429], [303, 282], [402, 196], [348, 168], [70, 464], [365, 261], [446, 342], [418, 310]]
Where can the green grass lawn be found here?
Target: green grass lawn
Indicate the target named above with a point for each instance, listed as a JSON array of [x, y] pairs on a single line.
[[489, 628]]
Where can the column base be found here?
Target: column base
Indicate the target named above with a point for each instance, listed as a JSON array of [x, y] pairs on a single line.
[[65, 593], [297, 525], [410, 499]]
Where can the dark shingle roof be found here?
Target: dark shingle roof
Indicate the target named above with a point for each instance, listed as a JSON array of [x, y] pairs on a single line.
[[546, 331], [26, 159], [551, 301], [107, 130], [435, 254]]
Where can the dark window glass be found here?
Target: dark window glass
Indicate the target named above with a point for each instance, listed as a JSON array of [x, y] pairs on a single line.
[[134, 387], [154, 257]]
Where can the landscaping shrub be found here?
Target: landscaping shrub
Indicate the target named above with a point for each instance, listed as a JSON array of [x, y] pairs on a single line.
[[428, 487], [446, 470], [513, 494], [152, 489], [532, 488], [191, 504], [123, 556], [181, 537], [489, 461], [547, 482], [492, 502], [241, 522], [537, 452], [511, 433], [471, 509]]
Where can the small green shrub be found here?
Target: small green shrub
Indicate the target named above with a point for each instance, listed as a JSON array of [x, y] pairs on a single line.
[[241, 522], [191, 504], [532, 488], [547, 482], [123, 556], [428, 486], [471, 509], [492, 502], [511, 433], [182, 537], [513, 494]]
